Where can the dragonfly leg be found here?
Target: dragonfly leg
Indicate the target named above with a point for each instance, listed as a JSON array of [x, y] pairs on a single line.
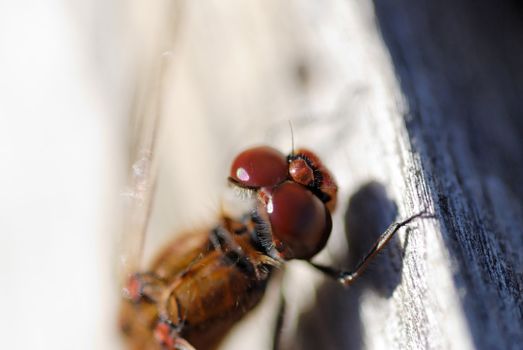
[[280, 320], [347, 278]]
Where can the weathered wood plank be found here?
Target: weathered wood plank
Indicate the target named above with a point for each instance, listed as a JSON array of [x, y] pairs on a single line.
[[460, 69]]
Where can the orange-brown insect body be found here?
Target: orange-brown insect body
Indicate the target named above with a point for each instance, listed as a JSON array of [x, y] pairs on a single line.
[[202, 289]]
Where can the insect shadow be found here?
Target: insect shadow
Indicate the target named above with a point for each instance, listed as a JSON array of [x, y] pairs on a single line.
[[334, 322]]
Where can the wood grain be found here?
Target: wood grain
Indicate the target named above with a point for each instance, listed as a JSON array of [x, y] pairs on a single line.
[[460, 70]]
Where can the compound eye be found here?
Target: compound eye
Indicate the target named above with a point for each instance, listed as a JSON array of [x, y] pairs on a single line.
[[300, 222], [259, 167]]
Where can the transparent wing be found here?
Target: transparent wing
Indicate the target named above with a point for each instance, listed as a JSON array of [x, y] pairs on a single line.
[[138, 195], [157, 29]]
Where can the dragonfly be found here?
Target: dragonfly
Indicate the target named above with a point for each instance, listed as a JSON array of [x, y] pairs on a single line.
[[200, 285]]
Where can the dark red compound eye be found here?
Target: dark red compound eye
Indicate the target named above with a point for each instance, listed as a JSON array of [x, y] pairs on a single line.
[[300, 222], [259, 167]]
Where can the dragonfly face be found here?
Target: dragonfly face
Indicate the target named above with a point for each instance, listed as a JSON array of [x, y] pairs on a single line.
[[296, 194]]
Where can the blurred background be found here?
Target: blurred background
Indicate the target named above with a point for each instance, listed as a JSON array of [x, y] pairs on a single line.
[[88, 89]]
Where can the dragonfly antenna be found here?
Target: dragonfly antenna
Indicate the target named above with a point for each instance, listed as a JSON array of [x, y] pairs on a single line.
[[292, 138]]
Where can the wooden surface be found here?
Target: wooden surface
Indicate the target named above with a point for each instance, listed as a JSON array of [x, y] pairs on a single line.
[[460, 70], [412, 107]]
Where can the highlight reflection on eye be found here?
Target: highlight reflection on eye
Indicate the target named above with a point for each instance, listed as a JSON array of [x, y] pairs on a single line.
[[242, 174]]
